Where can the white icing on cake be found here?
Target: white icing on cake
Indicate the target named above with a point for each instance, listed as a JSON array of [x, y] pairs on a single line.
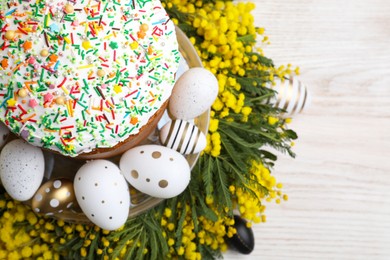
[[84, 74]]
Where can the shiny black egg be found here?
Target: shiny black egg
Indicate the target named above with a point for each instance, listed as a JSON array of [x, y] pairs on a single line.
[[243, 241]]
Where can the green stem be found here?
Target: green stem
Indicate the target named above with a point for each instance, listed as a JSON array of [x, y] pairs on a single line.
[[248, 130], [261, 97]]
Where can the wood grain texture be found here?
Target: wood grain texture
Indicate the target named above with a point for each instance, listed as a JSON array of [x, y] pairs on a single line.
[[339, 184]]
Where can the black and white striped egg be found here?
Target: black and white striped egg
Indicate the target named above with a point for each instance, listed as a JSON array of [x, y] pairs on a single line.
[[292, 96], [183, 137]]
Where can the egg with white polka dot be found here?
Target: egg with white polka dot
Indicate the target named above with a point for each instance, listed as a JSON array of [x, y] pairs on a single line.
[[156, 170], [21, 169], [54, 196], [102, 194]]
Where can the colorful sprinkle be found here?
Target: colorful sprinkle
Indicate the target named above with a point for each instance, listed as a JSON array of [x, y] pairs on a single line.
[[84, 62]]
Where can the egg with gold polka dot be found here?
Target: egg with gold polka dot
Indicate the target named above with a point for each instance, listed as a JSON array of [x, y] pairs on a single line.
[[156, 170], [102, 194], [54, 196]]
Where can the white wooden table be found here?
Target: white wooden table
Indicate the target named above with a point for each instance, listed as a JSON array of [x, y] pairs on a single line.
[[339, 184]]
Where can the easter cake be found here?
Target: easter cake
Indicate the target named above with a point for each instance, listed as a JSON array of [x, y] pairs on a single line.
[[86, 79], [106, 192]]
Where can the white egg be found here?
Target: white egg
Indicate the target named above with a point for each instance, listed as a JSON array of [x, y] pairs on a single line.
[[292, 96], [4, 133], [156, 170], [103, 194], [21, 169], [183, 137], [194, 92]]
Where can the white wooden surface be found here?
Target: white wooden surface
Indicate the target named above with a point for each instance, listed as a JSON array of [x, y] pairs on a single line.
[[339, 184]]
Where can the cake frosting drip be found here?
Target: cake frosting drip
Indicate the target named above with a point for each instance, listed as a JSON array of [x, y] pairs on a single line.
[[78, 75]]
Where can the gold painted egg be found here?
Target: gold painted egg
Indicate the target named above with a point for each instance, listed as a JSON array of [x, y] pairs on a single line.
[[54, 196]]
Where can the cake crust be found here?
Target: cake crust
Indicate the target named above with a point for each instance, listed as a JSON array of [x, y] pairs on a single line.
[[129, 143]]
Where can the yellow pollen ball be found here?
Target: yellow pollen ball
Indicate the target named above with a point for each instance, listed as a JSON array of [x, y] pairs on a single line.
[[22, 93], [44, 53], [10, 35], [60, 100], [100, 73], [144, 27], [69, 9]]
